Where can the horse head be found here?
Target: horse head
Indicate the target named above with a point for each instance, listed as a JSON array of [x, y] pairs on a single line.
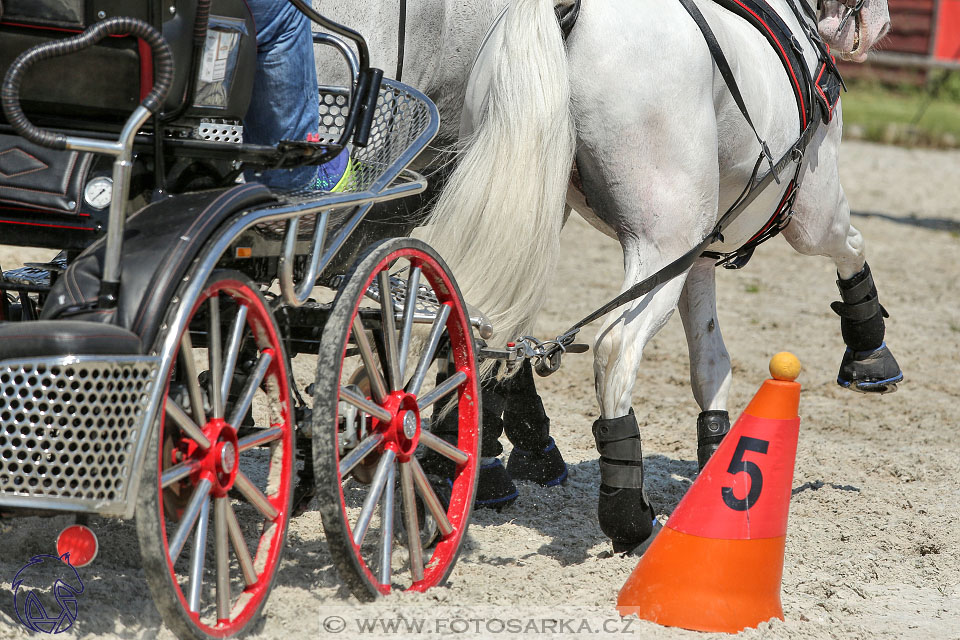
[[852, 27]]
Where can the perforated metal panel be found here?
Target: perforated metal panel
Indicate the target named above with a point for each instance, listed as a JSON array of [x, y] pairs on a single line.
[[401, 118], [69, 428]]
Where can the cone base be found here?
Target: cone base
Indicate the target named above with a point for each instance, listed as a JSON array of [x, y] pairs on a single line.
[[704, 584]]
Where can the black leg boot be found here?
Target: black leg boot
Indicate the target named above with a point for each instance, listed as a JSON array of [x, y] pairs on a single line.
[[625, 515], [867, 366], [712, 426], [495, 488], [535, 456]]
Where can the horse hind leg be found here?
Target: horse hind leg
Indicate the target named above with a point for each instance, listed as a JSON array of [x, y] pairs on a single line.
[[710, 371], [821, 226]]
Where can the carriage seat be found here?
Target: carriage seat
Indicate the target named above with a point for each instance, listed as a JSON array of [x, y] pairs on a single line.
[[52, 338]]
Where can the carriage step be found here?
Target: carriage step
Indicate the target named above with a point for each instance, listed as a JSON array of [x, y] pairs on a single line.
[[426, 305], [34, 275]]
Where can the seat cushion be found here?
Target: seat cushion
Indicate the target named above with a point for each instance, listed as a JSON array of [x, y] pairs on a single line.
[[50, 338]]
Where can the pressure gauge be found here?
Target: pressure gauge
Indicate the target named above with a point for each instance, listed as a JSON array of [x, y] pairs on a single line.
[[99, 192]]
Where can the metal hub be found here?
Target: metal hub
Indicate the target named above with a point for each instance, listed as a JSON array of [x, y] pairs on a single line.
[[410, 424], [228, 457]]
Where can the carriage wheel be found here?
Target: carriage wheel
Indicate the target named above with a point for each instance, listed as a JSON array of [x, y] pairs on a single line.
[[375, 382], [215, 494]]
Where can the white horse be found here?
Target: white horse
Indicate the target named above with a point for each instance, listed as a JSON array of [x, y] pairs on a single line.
[[440, 41], [634, 101]]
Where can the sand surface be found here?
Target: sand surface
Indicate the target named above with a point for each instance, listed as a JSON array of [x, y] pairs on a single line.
[[871, 548]]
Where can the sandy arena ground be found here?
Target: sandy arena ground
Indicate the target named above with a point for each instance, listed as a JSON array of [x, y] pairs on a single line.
[[872, 542]]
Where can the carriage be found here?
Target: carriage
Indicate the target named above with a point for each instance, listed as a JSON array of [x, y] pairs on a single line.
[[148, 370]]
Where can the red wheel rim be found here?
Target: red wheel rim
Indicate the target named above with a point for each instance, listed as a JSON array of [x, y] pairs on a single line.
[[437, 566], [227, 465]]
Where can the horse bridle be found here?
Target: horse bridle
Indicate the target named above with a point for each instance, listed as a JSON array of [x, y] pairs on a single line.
[[854, 7]]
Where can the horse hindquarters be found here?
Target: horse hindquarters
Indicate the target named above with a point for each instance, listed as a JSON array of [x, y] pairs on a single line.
[[498, 221]]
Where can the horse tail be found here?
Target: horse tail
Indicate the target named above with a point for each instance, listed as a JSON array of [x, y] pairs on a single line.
[[497, 222]]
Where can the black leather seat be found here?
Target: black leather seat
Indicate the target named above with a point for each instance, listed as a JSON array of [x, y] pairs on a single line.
[[51, 338]]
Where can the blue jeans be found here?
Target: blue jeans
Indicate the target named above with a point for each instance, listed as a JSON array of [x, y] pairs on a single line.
[[285, 102]]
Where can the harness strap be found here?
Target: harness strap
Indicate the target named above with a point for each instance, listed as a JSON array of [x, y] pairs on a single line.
[[644, 287], [724, 68]]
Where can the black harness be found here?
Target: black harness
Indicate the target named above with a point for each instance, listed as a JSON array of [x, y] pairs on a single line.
[[816, 94]]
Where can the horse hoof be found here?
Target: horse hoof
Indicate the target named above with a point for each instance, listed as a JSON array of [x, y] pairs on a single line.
[[626, 517], [638, 550], [495, 488], [545, 467], [874, 371]]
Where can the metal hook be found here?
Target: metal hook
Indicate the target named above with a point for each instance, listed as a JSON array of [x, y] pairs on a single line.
[[851, 11]]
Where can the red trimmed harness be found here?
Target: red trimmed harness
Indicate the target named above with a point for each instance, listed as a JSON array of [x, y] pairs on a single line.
[[817, 94]]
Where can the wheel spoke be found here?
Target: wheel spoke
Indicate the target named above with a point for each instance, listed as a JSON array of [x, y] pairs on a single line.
[[443, 447], [255, 496], [233, 350], [446, 387], [426, 358], [188, 426], [373, 497], [361, 451], [409, 309], [377, 385], [411, 521], [190, 514], [250, 389], [259, 439], [430, 498], [177, 472], [199, 553], [240, 548], [193, 382], [365, 405], [388, 318], [215, 357], [386, 525], [222, 558]]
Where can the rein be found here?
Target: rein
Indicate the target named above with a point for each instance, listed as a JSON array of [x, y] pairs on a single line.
[[401, 39]]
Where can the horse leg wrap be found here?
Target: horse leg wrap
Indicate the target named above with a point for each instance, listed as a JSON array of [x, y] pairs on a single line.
[[624, 512], [535, 456], [712, 426], [867, 365]]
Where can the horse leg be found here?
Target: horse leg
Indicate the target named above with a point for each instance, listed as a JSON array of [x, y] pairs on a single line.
[[821, 226], [535, 456], [623, 509], [495, 487], [709, 360]]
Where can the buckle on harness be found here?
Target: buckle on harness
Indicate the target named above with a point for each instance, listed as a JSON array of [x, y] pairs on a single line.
[[769, 157]]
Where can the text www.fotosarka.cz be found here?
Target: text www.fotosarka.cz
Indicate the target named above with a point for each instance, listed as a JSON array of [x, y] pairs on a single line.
[[352, 622]]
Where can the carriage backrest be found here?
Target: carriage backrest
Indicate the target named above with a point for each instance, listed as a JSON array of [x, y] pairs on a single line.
[[103, 84]]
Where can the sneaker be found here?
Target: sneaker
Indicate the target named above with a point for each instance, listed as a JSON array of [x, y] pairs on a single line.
[[335, 174]]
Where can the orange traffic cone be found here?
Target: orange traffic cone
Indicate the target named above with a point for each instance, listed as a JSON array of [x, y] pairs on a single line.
[[717, 563]]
